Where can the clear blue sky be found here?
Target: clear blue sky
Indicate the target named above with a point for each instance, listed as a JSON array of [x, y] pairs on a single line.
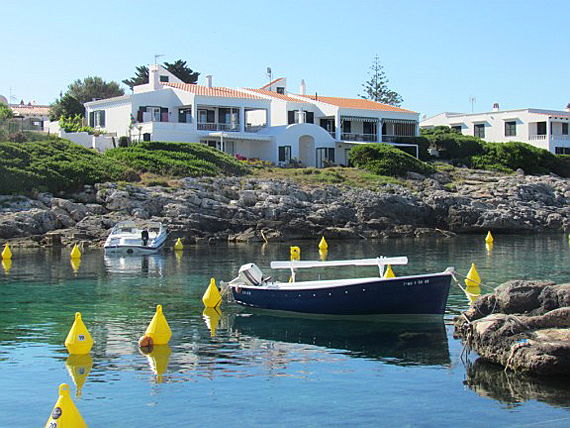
[[436, 53]]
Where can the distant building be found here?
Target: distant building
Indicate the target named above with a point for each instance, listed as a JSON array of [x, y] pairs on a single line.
[[268, 123], [547, 129], [33, 115]]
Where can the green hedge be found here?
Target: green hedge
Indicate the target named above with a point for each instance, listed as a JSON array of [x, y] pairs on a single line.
[[54, 165], [384, 159], [177, 159], [423, 145]]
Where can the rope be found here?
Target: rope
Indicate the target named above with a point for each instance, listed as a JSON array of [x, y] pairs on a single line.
[[478, 283]]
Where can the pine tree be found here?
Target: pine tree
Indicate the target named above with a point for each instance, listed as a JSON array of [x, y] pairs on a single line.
[[178, 68], [376, 89]]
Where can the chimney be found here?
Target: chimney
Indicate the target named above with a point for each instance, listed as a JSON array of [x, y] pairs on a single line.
[[568, 107], [303, 87], [154, 76], [209, 80], [496, 107]]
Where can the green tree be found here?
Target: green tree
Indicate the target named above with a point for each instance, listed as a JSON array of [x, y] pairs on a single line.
[[5, 112], [179, 68], [376, 88], [80, 92]]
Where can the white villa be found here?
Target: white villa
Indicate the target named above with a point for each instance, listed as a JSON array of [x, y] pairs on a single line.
[[268, 123], [547, 129]]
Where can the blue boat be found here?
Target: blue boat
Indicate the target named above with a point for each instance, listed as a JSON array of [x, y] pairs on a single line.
[[416, 294]]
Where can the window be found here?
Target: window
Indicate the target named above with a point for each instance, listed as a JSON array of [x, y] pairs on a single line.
[[562, 150], [280, 90], [146, 136], [328, 124], [564, 129], [510, 129], [309, 117], [347, 126], [325, 156], [285, 154], [540, 128], [457, 128], [369, 128], [97, 119], [206, 116], [164, 78], [185, 115], [479, 130], [291, 116]]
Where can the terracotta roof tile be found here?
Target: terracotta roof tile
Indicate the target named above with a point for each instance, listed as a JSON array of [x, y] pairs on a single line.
[[276, 95], [217, 91], [357, 103], [273, 82], [30, 109]]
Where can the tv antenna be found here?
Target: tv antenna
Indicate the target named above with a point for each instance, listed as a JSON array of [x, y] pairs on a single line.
[[472, 100], [156, 56], [269, 74]]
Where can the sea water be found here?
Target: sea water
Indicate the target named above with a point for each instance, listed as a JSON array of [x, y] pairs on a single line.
[[242, 368]]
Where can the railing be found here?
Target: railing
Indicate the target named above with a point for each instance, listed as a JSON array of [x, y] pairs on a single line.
[[560, 137], [218, 127], [537, 137], [357, 137], [254, 128]]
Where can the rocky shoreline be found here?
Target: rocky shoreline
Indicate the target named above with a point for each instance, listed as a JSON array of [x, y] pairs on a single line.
[[253, 209]]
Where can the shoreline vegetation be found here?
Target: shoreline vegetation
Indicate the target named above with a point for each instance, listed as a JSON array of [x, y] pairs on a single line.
[[55, 187]]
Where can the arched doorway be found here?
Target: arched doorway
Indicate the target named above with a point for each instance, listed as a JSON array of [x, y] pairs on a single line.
[[307, 150]]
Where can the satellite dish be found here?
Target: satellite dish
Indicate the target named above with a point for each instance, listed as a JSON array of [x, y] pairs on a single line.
[[3, 99]]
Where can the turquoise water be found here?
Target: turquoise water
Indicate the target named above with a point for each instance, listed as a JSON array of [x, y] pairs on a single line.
[[258, 369]]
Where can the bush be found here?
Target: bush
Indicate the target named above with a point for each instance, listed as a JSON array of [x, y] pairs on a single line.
[[384, 159], [54, 165], [124, 141], [177, 159], [75, 124], [513, 155]]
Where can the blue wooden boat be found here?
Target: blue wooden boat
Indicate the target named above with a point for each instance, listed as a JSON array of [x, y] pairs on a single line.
[[416, 294]]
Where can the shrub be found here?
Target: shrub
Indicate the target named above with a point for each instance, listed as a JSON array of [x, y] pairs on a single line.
[[124, 141], [513, 155], [177, 159], [384, 159], [422, 143], [54, 165], [75, 124]]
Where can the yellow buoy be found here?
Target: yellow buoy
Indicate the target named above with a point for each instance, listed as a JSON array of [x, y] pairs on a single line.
[[6, 253], [75, 263], [178, 246], [78, 367], [158, 360], [212, 318], [7, 265], [473, 293], [212, 297], [78, 340], [323, 254], [489, 238], [323, 246], [389, 272], [473, 279], [64, 413], [75, 252], [295, 253], [158, 328]]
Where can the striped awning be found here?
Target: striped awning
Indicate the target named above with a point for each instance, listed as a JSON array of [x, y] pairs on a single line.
[[360, 119], [399, 121]]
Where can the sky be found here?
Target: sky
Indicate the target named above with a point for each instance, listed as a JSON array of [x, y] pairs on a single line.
[[436, 54]]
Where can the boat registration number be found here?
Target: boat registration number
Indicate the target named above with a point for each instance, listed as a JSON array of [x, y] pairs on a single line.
[[416, 282]]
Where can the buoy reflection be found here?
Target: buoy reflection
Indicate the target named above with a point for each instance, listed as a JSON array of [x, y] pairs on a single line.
[[158, 359], [7, 265], [78, 367], [212, 318], [75, 264]]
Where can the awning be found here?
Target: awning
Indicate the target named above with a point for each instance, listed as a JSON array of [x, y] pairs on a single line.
[[360, 119], [399, 121]]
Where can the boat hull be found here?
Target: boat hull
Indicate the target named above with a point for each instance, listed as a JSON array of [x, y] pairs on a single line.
[[132, 249], [421, 295]]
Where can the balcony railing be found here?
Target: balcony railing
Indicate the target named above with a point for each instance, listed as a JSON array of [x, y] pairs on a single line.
[[254, 128], [230, 127], [537, 137], [560, 137], [348, 136]]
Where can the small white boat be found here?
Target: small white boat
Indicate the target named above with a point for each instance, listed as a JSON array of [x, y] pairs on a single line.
[[128, 237]]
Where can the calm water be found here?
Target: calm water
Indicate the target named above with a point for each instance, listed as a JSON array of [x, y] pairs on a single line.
[[260, 370]]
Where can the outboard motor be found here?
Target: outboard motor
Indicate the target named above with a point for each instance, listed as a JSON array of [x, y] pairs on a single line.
[[251, 274], [144, 237]]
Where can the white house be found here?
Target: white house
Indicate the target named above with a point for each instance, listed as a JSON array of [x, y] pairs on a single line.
[[268, 123], [547, 129]]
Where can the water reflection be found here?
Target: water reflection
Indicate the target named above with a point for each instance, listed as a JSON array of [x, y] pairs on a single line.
[[79, 367], [394, 342], [158, 359], [489, 380], [147, 265]]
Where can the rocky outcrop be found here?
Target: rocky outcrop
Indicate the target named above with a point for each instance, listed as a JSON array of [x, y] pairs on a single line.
[[251, 209], [523, 325]]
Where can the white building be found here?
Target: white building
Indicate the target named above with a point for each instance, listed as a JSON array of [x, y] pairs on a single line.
[[35, 115], [547, 129], [268, 123]]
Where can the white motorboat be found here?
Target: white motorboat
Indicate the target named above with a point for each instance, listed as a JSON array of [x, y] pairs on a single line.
[[128, 237]]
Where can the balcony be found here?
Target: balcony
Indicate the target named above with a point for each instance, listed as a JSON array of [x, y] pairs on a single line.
[[228, 127], [348, 136], [537, 137]]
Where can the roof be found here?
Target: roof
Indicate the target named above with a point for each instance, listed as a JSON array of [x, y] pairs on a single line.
[[273, 82], [276, 95], [217, 91], [30, 109], [357, 103]]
